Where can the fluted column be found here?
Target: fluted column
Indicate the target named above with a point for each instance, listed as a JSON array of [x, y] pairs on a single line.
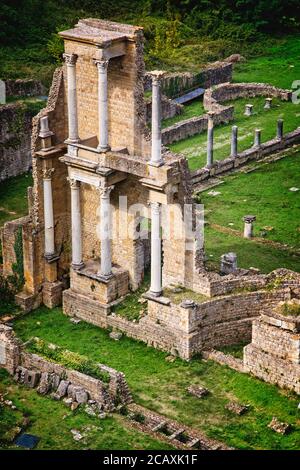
[[156, 158], [70, 60], [105, 233], [77, 262], [102, 66], [155, 287], [48, 213]]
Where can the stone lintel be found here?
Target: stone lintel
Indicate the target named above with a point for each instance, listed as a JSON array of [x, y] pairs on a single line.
[[51, 152], [281, 321]]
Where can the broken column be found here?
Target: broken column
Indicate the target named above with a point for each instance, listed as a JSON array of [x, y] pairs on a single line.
[[280, 129], [70, 60], [257, 138], [228, 263], [102, 66], [268, 103], [48, 213], [45, 134], [156, 158], [248, 228], [234, 141], [249, 110], [77, 262], [210, 140], [156, 285]]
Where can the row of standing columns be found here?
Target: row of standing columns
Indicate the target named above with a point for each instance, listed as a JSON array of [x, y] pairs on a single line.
[[234, 138]]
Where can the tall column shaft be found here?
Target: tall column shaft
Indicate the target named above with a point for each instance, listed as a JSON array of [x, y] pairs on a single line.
[[210, 141], [156, 286], [76, 225], [70, 60], [48, 213], [156, 158], [102, 66], [105, 233], [234, 141], [280, 129]]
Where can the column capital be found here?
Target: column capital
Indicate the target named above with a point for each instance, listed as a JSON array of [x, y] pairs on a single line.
[[70, 59], [105, 191], [74, 184], [47, 173], [101, 64], [157, 75], [155, 206]]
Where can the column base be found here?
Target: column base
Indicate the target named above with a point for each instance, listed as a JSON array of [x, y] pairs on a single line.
[[156, 164], [154, 294], [103, 148], [51, 257], [104, 277], [77, 267]]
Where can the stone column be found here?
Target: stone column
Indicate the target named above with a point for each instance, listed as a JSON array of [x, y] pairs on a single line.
[[155, 287], [77, 262], [248, 228], [257, 138], [70, 60], [102, 66], [268, 103], [234, 141], [156, 158], [280, 129], [105, 271], [210, 140], [48, 213], [248, 110]]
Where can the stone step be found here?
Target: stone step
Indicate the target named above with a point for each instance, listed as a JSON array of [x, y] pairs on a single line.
[[176, 434], [193, 443], [159, 426]]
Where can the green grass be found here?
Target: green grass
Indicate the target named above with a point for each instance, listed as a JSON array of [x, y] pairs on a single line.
[[193, 109], [161, 386], [265, 193], [278, 65], [194, 148], [235, 350], [13, 197], [52, 421], [130, 308]]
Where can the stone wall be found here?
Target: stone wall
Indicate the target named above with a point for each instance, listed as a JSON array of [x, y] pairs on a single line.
[[15, 145], [24, 87], [232, 91], [254, 153], [189, 127], [274, 353], [169, 108], [34, 371], [176, 84]]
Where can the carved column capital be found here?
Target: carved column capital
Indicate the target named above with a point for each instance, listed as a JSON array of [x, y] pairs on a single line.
[[101, 64], [74, 184], [47, 173], [70, 59], [105, 191], [155, 206]]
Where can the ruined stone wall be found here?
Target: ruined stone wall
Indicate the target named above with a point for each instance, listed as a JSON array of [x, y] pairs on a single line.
[[169, 108], [254, 153], [177, 83], [232, 91], [24, 87], [15, 146], [10, 349], [274, 354], [196, 125]]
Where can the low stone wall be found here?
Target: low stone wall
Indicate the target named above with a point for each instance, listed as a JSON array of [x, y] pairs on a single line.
[[36, 371], [8, 236], [169, 108], [224, 359], [274, 354], [176, 84], [252, 154], [15, 140], [24, 87], [189, 127], [232, 91]]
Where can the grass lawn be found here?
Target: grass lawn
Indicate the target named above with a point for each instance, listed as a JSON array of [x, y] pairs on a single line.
[[52, 421], [265, 193], [161, 386], [194, 148], [13, 197]]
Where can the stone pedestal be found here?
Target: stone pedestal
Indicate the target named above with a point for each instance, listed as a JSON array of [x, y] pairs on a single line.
[[228, 263], [280, 129], [248, 110], [268, 103], [257, 138], [52, 294], [248, 228]]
